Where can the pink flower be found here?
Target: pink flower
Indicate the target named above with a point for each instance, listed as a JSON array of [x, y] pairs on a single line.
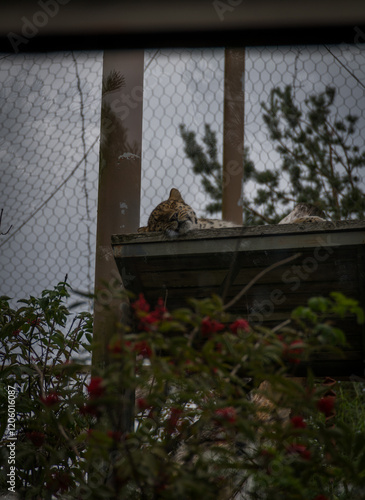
[[96, 388], [326, 405], [227, 414], [298, 422], [239, 324], [209, 326]]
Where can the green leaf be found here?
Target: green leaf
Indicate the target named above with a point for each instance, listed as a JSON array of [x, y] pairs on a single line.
[[319, 304]]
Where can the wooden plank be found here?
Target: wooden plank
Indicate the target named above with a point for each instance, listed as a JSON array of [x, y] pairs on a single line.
[[246, 231], [201, 264], [233, 134], [346, 271], [300, 240]]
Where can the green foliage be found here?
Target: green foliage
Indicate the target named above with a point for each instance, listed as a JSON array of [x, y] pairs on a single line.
[[114, 81], [38, 356], [318, 156], [206, 422], [206, 165]]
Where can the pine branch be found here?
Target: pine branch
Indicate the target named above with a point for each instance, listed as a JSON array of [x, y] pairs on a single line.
[[114, 81]]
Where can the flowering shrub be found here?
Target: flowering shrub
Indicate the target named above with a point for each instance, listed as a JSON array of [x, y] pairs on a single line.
[[39, 351], [180, 411]]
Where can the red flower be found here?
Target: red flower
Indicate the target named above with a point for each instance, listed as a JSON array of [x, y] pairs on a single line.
[[34, 322], [267, 453], [320, 497], [58, 481], [239, 324], [89, 409], [51, 399], [96, 388], [173, 420], [209, 326], [115, 435], [90, 433], [326, 404], [142, 404], [227, 414], [37, 438], [158, 314], [115, 348], [143, 349], [298, 422], [299, 449], [146, 321], [219, 347], [291, 352], [160, 310], [141, 304], [15, 333]]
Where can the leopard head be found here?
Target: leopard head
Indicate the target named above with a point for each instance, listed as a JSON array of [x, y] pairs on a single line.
[[172, 216]]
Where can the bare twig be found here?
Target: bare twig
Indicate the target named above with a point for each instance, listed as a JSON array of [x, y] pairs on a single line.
[[40, 373], [257, 277], [253, 211], [281, 325], [193, 335], [1, 216], [64, 181], [63, 432], [345, 67]]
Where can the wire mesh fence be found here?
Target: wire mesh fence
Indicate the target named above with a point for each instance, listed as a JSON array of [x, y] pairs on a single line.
[[50, 113], [187, 88], [49, 141]]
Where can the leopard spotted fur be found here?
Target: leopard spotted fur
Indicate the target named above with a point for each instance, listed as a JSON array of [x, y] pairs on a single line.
[[175, 217]]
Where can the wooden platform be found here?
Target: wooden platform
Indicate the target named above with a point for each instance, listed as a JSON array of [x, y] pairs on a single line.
[[223, 261]]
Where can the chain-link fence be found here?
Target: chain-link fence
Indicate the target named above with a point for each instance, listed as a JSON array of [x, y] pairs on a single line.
[[50, 126], [186, 87], [50, 114]]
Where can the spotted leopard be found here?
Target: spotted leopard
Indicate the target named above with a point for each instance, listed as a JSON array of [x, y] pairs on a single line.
[[175, 217]]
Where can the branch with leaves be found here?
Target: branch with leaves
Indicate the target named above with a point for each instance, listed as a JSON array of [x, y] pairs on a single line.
[[319, 157]]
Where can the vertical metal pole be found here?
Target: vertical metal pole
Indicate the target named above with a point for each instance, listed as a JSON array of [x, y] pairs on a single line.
[[233, 132], [119, 183]]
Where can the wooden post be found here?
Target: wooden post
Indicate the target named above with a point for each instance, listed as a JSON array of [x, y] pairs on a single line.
[[119, 183], [233, 131]]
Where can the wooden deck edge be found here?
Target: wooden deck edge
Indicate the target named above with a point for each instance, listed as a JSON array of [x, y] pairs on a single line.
[[239, 232]]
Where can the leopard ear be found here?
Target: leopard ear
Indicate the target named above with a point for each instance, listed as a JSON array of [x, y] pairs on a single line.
[[175, 195]]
